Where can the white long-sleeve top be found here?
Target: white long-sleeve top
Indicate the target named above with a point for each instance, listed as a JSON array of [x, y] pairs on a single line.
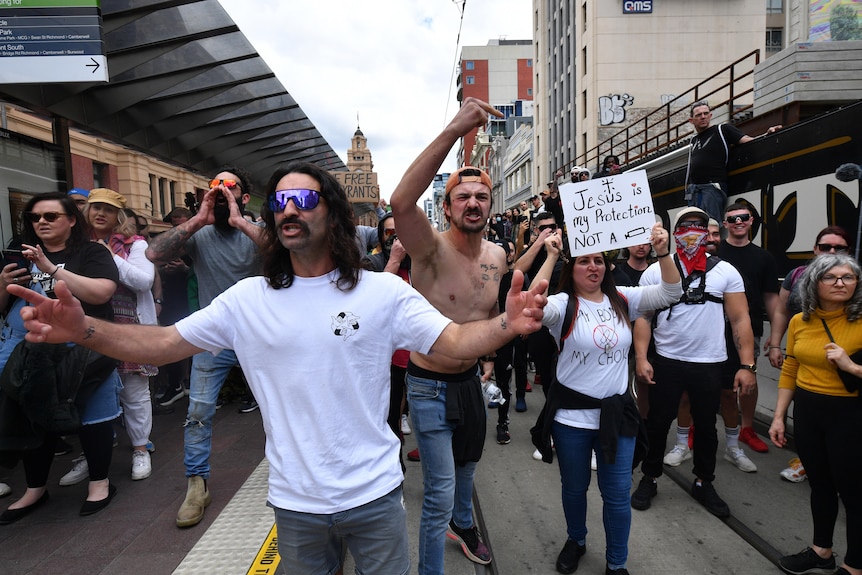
[[138, 274]]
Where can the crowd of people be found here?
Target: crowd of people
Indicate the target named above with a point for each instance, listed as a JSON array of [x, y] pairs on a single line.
[[417, 333]]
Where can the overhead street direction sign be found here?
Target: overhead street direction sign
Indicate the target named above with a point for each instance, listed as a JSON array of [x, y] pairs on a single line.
[[46, 41]]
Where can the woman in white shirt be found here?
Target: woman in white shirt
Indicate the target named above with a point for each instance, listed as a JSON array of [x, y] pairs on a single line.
[[589, 406]]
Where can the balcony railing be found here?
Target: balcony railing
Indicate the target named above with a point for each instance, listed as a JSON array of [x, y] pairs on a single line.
[[729, 93]]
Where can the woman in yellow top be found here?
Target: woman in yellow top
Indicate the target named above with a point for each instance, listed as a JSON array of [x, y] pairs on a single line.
[[827, 412]]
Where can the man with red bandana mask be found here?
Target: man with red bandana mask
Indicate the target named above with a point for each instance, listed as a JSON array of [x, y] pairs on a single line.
[[689, 356]]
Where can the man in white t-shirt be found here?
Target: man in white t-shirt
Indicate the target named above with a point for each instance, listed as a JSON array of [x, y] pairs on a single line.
[[689, 354], [335, 478]]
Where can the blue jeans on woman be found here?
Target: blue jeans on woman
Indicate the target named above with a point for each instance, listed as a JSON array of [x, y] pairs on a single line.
[[448, 487], [573, 447], [209, 373]]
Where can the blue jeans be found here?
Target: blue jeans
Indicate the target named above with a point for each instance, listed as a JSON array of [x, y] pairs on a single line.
[[708, 197], [448, 488], [573, 446], [375, 533], [209, 373]]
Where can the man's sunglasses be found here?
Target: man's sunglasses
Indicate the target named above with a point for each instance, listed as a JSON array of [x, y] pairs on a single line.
[[548, 227], [825, 248], [389, 232], [229, 184], [49, 216], [737, 218], [303, 199]]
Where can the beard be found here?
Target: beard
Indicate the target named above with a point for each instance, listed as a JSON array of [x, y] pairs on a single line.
[[221, 211]]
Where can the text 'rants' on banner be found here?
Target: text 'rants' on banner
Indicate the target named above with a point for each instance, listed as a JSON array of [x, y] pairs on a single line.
[[608, 213]]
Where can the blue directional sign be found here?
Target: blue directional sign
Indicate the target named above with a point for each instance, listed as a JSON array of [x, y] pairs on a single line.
[[45, 41]]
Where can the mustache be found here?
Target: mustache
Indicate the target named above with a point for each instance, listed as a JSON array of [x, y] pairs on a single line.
[[292, 220]]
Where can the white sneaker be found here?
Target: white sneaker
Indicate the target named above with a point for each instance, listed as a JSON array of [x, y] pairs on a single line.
[[5, 490], [677, 455], [80, 471], [405, 425], [593, 463], [738, 457], [537, 455], [141, 466]]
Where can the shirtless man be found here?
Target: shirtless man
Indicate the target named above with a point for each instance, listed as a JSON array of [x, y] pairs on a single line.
[[459, 273]]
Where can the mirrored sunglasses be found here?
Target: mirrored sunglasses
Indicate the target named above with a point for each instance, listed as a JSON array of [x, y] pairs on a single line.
[[303, 199], [229, 184]]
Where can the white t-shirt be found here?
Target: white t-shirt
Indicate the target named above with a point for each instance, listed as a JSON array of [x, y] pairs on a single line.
[[317, 360], [695, 332], [595, 356]]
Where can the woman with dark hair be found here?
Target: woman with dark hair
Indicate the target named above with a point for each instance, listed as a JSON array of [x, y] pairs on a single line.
[[610, 167], [589, 406], [277, 267], [56, 243], [823, 381]]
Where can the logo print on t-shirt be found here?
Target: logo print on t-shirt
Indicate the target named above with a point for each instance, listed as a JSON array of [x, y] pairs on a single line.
[[345, 324], [605, 337]]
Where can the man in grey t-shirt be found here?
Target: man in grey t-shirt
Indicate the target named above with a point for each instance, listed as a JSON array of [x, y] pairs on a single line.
[[223, 247]]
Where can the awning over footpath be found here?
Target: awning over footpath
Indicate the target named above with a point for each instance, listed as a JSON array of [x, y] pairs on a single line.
[[188, 87]]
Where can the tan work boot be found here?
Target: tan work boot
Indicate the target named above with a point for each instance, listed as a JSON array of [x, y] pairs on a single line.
[[197, 498]]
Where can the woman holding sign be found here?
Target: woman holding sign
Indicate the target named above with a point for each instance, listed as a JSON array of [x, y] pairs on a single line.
[[589, 406]]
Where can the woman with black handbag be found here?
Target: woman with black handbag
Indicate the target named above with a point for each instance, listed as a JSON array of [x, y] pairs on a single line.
[[823, 381], [57, 245]]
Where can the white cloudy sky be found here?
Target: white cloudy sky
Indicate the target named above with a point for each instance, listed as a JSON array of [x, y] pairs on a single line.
[[390, 61]]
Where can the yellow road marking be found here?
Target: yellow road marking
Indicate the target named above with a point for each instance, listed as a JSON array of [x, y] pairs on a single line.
[[266, 561]]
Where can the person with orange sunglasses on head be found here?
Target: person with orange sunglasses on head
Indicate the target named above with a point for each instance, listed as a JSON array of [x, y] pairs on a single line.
[[223, 247]]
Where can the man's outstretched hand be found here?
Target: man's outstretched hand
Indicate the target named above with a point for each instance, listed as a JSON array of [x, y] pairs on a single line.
[[51, 320], [525, 309]]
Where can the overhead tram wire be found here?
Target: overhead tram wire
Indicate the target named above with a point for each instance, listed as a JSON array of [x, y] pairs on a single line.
[[460, 4]]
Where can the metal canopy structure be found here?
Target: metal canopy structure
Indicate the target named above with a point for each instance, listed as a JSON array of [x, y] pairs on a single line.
[[188, 87]]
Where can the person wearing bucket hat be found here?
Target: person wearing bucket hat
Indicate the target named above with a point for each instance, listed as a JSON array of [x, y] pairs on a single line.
[[132, 302], [689, 356], [820, 375]]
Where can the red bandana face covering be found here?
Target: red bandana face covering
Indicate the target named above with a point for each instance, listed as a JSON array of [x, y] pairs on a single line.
[[691, 247]]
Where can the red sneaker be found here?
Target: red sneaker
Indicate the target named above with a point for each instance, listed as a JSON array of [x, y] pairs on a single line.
[[748, 437], [691, 437], [537, 380], [529, 387], [413, 455]]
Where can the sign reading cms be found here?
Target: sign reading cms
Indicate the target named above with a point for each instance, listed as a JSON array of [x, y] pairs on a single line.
[[637, 7]]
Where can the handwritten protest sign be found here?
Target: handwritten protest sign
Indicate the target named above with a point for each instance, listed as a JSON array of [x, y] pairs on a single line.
[[360, 187], [608, 213]]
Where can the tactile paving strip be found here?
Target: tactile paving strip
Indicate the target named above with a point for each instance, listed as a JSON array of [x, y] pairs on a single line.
[[231, 543]]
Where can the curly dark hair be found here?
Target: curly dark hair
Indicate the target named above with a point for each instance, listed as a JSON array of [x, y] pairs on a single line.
[[79, 233], [245, 183], [608, 287], [277, 265]]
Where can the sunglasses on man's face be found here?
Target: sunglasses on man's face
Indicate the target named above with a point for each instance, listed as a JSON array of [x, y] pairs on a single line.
[[303, 199], [551, 227], [737, 218], [229, 184], [49, 216]]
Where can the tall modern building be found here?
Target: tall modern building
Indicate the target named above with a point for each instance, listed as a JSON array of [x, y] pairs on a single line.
[[602, 65], [499, 73]]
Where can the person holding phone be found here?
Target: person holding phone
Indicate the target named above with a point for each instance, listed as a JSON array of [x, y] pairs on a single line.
[[56, 244]]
